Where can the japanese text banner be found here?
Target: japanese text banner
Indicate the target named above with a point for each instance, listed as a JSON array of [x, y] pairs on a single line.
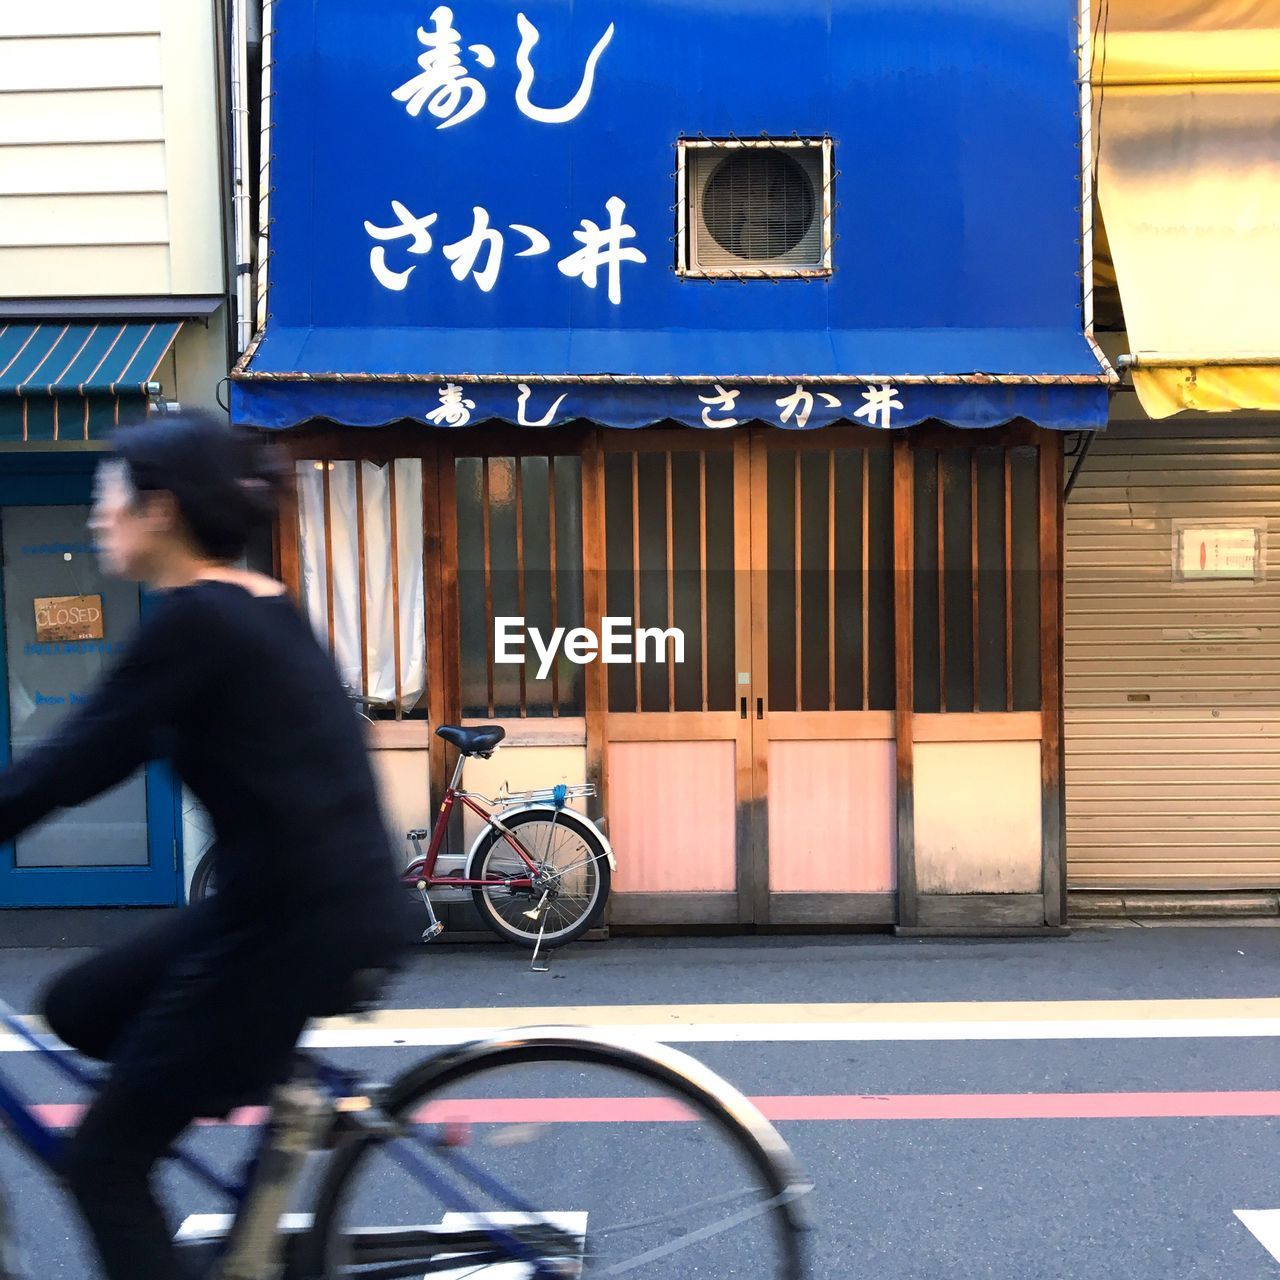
[[798, 406]]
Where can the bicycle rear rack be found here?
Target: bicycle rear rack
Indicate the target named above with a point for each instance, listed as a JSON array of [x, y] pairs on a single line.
[[546, 795]]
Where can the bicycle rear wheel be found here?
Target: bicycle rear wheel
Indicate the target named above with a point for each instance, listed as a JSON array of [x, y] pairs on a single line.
[[575, 867], [597, 1158]]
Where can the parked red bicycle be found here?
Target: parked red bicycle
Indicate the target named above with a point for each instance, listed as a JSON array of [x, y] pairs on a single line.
[[539, 872]]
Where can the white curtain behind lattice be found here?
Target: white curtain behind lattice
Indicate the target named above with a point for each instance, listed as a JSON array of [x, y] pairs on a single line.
[[344, 540]]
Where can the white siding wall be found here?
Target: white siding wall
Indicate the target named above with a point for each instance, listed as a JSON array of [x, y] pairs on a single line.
[[1172, 690], [109, 149]]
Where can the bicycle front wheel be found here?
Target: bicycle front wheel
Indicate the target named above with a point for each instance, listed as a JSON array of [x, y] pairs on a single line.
[[555, 1153], [575, 884]]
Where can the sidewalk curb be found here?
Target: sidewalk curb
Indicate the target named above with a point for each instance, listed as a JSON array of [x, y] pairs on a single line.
[[1019, 931], [74, 926], [1084, 905], [92, 927]]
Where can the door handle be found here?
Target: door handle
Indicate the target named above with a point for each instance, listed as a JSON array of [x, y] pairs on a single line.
[[744, 708], [759, 708]]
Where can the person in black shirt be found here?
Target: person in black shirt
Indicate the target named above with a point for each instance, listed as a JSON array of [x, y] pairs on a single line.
[[225, 680]]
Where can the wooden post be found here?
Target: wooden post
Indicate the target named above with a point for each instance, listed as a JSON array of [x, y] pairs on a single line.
[[904, 668], [288, 561], [440, 676], [751, 626], [1051, 762], [596, 683]]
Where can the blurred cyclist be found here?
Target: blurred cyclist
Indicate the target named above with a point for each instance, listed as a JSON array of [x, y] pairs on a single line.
[[225, 680]]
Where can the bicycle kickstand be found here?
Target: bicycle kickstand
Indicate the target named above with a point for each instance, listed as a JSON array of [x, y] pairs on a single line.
[[539, 913]]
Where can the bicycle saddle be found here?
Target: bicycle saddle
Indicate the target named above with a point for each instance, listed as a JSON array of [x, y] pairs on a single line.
[[479, 741]]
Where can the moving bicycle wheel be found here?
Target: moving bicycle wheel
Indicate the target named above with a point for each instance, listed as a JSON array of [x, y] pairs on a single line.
[[597, 1158]]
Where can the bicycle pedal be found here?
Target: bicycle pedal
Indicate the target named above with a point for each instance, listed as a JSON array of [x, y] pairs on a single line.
[[432, 931]]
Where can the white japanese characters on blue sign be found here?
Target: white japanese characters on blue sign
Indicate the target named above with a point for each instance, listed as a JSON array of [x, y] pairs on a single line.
[[479, 253], [452, 87], [452, 95], [720, 408]]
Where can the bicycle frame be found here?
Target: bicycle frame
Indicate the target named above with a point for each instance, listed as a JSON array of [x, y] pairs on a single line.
[[45, 1143], [421, 871], [491, 1244]]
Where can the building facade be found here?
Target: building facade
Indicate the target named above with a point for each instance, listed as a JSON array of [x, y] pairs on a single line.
[[566, 320], [1172, 601], [112, 305], [1172, 667]]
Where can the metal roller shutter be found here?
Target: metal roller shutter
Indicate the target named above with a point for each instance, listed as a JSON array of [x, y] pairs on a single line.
[[1172, 691]]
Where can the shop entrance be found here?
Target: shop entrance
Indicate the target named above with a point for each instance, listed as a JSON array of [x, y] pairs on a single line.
[[823, 673], [63, 623], [753, 780], [840, 704]]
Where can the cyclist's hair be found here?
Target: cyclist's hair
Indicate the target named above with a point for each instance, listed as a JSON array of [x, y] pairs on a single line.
[[224, 481]]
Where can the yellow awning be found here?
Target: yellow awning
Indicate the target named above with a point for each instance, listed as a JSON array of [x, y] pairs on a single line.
[[1186, 106]]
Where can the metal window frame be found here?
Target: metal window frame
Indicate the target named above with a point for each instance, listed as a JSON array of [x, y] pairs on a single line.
[[684, 268]]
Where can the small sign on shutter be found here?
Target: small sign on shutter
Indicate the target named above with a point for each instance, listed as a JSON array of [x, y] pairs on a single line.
[[68, 618], [1218, 553]]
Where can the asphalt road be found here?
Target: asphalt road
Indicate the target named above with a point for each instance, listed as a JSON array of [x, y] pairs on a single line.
[[1064, 1172]]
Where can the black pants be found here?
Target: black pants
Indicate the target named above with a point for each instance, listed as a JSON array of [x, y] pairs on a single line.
[[195, 1017]]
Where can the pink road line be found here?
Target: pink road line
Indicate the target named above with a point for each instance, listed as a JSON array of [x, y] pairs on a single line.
[[63, 1115], [831, 1107]]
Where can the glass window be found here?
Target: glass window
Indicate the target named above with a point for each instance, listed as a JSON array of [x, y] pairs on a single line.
[[63, 620], [669, 563], [977, 607], [830, 579], [519, 523]]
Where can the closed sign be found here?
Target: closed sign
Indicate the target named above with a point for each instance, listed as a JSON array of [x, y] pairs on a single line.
[[68, 618]]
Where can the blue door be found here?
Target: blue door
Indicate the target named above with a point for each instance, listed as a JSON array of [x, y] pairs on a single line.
[[63, 619]]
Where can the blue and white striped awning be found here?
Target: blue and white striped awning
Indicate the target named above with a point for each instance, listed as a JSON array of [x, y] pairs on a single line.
[[65, 381]]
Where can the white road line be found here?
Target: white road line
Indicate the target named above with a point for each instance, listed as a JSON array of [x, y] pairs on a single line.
[[1265, 1224], [198, 1226], [755, 1032], [385, 1037], [803, 1022], [574, 1222]]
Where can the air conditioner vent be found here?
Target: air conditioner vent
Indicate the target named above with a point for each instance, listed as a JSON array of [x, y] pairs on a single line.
[[755, 208]]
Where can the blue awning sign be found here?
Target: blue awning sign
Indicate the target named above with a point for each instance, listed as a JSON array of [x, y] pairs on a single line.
[[797, 407], [483, 216]]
